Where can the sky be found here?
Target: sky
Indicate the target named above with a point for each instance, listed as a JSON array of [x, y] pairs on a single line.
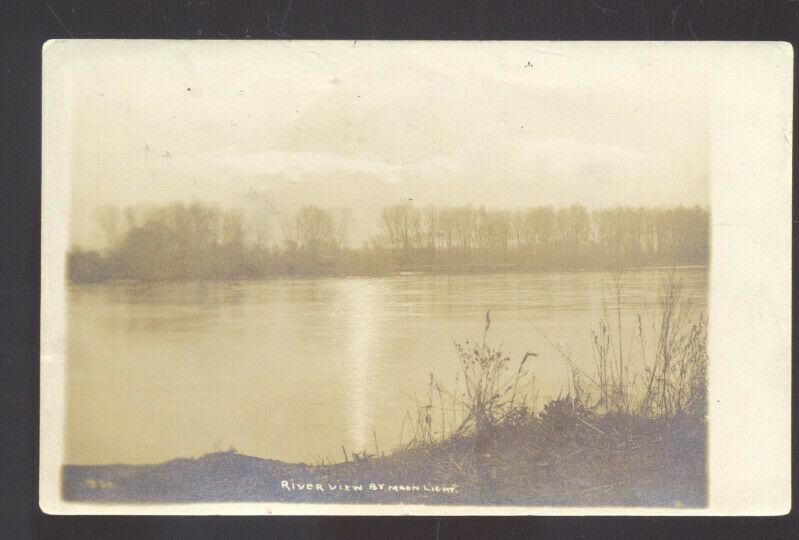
[[267, 127]]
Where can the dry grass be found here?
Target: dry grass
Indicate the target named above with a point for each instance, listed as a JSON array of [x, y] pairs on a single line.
[[657, 371], [654, 371], [489, 391]]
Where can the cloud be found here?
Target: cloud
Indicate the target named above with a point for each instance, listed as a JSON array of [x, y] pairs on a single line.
[[570, 155], [273, 162], [551, 169]]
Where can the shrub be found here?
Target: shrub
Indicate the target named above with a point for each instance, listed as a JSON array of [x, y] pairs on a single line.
[[494, 393]]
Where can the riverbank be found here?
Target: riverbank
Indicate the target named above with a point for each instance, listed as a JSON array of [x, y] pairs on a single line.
[[564, 460]]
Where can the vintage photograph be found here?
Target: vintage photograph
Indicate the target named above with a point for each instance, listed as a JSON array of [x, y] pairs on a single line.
[[458, 274]]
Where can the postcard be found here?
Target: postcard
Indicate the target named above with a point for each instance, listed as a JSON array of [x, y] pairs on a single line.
[[449, 278]]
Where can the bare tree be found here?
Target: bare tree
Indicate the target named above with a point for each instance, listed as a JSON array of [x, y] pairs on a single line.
[[107, 218]]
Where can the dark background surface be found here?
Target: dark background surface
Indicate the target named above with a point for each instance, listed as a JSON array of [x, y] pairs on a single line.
[[27, 24]]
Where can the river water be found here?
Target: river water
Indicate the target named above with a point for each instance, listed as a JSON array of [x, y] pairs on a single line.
[[293, 369]]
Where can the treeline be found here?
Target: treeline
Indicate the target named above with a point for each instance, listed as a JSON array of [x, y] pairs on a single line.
[[203, 242], [545, 237]]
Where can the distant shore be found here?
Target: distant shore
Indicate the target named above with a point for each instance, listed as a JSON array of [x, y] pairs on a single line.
[[198, 241], [419, 271]]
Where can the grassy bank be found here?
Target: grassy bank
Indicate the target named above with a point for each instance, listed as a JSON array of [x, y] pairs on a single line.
[[632, 461], [630, 431]]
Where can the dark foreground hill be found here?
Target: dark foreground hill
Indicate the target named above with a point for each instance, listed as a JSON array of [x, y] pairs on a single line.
[[607, 461]]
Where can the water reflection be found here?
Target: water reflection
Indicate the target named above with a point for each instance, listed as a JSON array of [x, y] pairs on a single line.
[[362, 305]]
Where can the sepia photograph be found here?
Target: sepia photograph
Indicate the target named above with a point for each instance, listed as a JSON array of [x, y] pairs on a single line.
[[387, 275]]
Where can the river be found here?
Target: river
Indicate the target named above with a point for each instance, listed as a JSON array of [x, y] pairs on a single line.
[[293, 369]]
